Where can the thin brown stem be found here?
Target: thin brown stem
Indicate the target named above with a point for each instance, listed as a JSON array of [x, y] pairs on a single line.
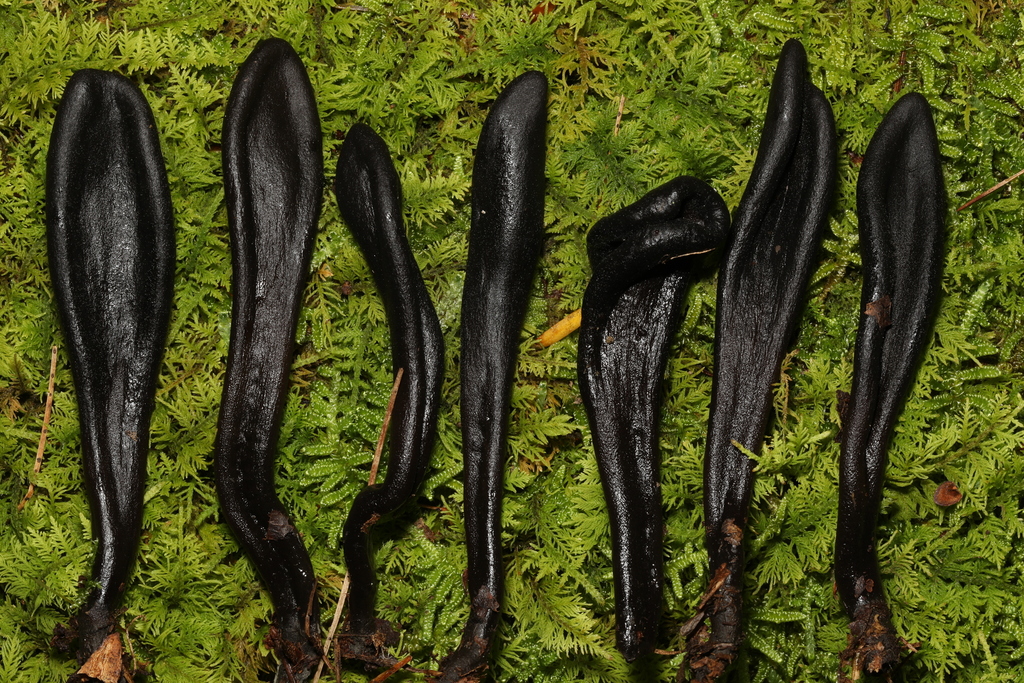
[[998, 186], [372, 480], [384, 427], [334, 627], [47, 411], [395, 668], [618, 117]]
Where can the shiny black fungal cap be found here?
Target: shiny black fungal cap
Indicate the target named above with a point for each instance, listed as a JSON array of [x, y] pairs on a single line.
[[643, 258], [761, 289], [370, 197], [505, 241], [111, 247], [901, 209], [273, 182]]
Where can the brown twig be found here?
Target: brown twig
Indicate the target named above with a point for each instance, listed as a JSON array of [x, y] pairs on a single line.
[[345, 584], [47, 411], [384, 427], [393, 670], [334, 627], [618, 117], [998, 186]]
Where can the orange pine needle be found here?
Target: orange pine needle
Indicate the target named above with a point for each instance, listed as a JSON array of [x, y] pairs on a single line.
[[562, 329]]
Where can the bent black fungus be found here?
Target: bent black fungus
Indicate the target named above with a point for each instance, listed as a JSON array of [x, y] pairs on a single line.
[[370, 197], [273, 180], [630, 309], [901, 209], [761, 285], [111, 247]]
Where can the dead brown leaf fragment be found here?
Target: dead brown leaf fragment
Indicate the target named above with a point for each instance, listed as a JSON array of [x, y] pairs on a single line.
[[368, 524], [880, 310], [278, 526], [871, 646], [708, 658], [732, 533], [687, 629], [105, 663], [371, 648], [947, 494]]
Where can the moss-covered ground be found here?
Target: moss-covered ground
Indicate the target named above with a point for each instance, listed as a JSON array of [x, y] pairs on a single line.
[[690, 80]]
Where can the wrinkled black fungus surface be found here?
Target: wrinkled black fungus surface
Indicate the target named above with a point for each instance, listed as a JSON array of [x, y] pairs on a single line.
[[642, 259], [505, 242], [901, 209], [111, 246], [273, 178], [370, 197], [761, 289]]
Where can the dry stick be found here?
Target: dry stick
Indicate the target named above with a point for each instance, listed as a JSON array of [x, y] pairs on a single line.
[[38, 466], [131, 650], [618, 117], [392, 671], [334, 627], [372, 480], [384, 427], [992, 189]]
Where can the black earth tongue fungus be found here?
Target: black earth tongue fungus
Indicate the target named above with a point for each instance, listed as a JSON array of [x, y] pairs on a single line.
[[643, 258], [273, 179], [761, 285], [370, 196], [111, 246], [901, 209], [505, 242]]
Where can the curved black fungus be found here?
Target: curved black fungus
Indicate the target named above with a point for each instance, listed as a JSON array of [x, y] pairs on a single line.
[[761, 286], [370, 197], [273, 178], [901, 208], [505, 242], [111, 247], [630, 310]]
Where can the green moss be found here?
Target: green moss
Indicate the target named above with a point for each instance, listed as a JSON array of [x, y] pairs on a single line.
[[695, 78]]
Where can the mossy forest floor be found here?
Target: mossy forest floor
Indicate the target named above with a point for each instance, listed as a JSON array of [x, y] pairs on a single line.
[[640, 92]]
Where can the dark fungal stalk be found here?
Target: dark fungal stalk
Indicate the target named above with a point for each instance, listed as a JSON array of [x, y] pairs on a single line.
[[370, 197], [111, 246], [761, 285], [900, 208], [505, 242], [630, 309], [273, 178]]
